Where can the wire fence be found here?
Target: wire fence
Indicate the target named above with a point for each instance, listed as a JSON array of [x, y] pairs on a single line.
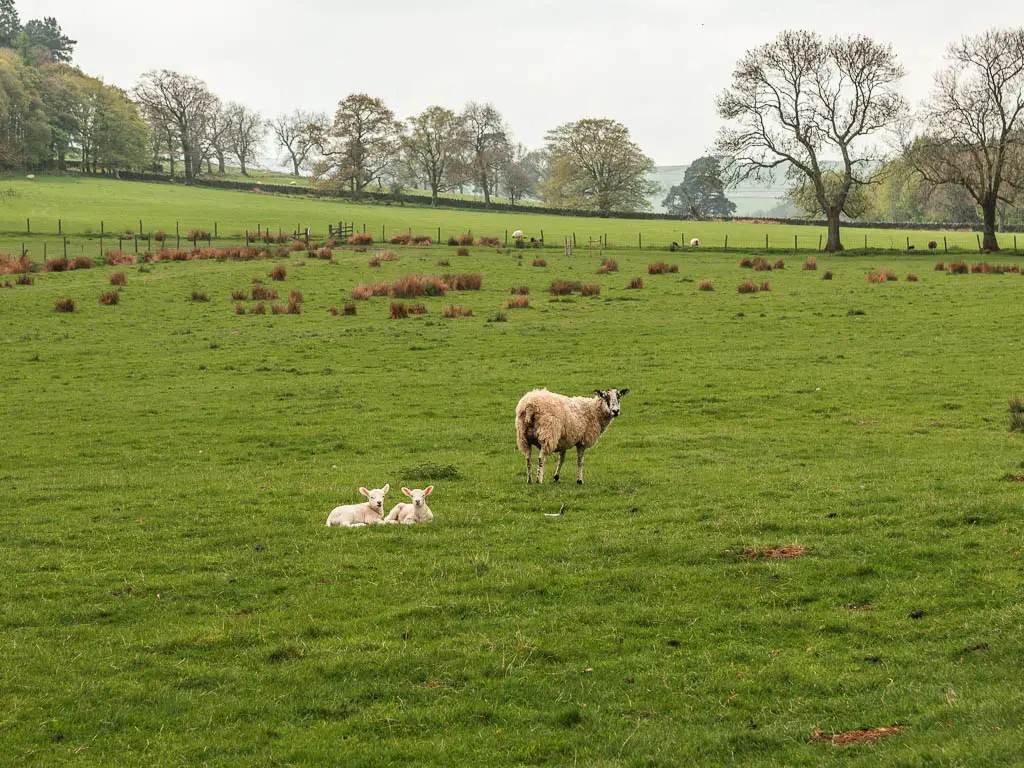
[[54, 238]]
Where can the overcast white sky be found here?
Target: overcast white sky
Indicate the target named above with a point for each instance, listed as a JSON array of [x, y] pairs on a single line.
[[654, 65]]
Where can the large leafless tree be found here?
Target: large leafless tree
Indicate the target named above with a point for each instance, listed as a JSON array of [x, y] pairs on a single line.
[[292, 133], [217, 137], [245, 134], [973, 125], [182, 104], [435, 148], [362, 146], [800, 101], [489, 146]]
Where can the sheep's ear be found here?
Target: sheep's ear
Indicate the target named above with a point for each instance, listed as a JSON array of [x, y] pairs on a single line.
[[429, 490], [386, 488], [623, 392], [407, 492], [365, 492], [599, 393]]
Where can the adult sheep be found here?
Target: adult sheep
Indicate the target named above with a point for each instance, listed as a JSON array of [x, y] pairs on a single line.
[[556, 423]]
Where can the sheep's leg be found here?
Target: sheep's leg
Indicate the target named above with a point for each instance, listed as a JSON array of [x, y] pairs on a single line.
[[540, 466], [558, 469], [529, 464], [579, 464]]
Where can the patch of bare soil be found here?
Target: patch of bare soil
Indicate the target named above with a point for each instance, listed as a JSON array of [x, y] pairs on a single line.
[[864, 735], [788, 552]]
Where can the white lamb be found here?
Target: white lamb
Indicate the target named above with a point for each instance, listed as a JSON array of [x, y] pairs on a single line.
[[410, 514], [556, 423], [370, 512], [695, 243]]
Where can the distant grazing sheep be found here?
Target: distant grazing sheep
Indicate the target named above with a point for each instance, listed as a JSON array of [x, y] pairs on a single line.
[[695, 242], [417, 512], [556, 423], [370, 512]]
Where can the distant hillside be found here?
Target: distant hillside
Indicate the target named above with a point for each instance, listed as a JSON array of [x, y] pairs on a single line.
[[751, 199]]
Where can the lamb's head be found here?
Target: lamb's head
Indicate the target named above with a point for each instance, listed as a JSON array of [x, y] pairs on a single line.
[[610, 399], [419, 497], [375, 498]]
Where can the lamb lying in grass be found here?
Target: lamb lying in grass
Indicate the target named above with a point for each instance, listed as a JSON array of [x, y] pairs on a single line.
[[417, 512], [370, 512]]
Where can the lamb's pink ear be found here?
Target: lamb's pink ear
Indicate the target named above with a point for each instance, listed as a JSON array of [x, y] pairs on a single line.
[[386, 488], [407, 492], [365, 492], [429, 490]]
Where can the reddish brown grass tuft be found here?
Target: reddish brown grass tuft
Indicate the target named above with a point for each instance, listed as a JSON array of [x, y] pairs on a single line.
[[400, 238], [661, 268], [239, 309], [417, 309], [468, 282], [25, 280], [349, 309], [864, 735], [399, 310], [811, 263], [520, 290], [705, 285], [590, 289], [118, 278], [240, 295], [564, 287], [422, 240], [826, 275], [120, 259], [489, 242], [64, 305], [262, 293], [883, 275], [295, 297], [539, 263], [387, 256], [159, 236], [198, 234], [940, 267], [779, 264], [324, 253], [259, 309], [199, 296], [957, 268], [15, 266], [518, 302], [80, 262], [636, 283], [766, 286], [109, 298], [761, 264], [747, 286], [443, 263], [456, 310], [462, 252], [911, 277], [608, 265], [361, 238], [374, 262], [464, 239], [279, 273], [746, 263]]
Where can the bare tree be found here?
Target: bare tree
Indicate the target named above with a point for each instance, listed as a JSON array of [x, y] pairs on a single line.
[[799, 99], [973, 126], [292, 133], [216, 139], [521, 171], [182, 103], [245, 134], [435, 148], [489, 144], [363, 144]]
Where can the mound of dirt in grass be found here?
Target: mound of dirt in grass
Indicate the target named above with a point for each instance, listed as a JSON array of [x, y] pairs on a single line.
[[864, 735], [788, 552]]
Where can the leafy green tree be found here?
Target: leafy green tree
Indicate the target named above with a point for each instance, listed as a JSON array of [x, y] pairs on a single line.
[[10, 23], [47, 35], [595, 166], [361, 147], [489, 146], [701, 194], [25, 135]]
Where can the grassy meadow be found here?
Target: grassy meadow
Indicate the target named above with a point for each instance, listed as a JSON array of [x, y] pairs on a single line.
[[171, 595], [81, 204]]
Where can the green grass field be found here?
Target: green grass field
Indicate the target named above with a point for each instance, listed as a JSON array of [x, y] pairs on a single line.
[[171, 595], [81, 205]]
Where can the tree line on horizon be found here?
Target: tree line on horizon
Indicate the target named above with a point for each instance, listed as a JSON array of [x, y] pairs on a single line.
[[826, 115]]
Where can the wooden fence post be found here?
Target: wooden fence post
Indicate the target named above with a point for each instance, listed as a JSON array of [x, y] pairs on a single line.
[[726, 243], [65, 247], [28, 226], [60, 227], [640, 240], [819, 243], [865, 242], [945, 245], [979, 241], [908, 243]]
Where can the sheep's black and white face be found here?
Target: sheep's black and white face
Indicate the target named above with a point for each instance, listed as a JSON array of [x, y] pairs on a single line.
[[611, 399]]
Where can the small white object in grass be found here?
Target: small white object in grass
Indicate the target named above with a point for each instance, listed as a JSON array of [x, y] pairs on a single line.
[[694, 243], [410, 514], [31, 176], [356, 515], [518, 234]]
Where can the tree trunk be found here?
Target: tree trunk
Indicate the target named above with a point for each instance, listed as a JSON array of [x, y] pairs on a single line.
[[834, 244], [221, 165], [487, 191], [989, 242], [241, 162], [433, 196], [209, 166], [295, 162]]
